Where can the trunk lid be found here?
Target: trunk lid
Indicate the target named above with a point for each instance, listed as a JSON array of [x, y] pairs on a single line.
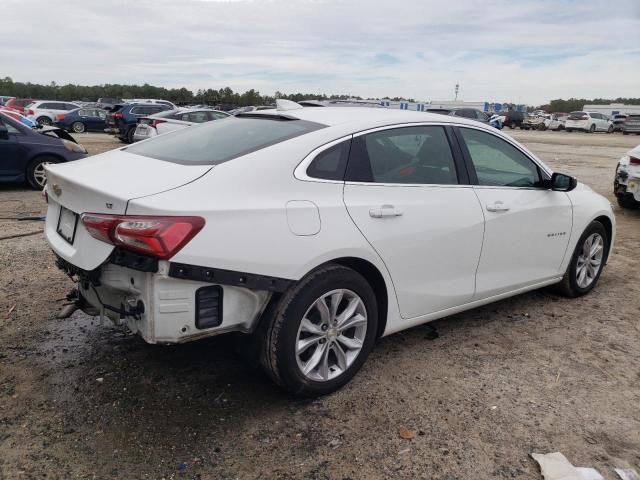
[[103, 184]]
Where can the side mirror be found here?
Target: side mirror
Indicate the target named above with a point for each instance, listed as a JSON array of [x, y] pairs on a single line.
[[563, 183], [4, 133]]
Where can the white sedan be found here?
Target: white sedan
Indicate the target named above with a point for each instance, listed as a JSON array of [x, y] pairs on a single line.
[[318, 230], [172, 120]]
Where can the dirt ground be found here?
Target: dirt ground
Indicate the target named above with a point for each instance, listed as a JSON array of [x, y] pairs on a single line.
[[535, 373]]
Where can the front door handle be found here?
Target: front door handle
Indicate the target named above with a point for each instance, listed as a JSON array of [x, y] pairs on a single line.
[[497, 206], [385, 211]]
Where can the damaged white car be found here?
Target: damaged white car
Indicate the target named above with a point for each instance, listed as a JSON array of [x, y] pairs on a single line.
[[318, 230], [626, 184]]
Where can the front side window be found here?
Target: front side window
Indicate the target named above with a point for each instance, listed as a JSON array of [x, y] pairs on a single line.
[[213, 143], [498, 163], [410, 155]]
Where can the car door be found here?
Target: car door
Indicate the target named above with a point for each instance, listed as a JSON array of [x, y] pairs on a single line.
[[12, 161], [527, 226], [406, 192]]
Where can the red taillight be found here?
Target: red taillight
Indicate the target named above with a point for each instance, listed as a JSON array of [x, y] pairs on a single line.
[[634, 161], [160, 237], [155, 122], [29, 112], [60, 117], [118, 115]]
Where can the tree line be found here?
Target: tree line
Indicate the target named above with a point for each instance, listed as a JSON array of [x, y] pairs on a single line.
[[211, 96], [576, 104], [90, 93]]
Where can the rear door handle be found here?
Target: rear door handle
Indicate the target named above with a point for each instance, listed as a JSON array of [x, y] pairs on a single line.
[[385, 211], [497, 206]]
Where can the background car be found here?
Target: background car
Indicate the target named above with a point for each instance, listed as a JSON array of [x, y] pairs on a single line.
[[617, 121], [81, 120], [319, 230], [588, 122], [470, 113], [122, 120], [44, 112], [171, 120], [25, 151], [556, 121], [513, 119], [107, 103], [19, 104], [18, 116], [151, 100], [626, 184], [631, 124], [4, 99]]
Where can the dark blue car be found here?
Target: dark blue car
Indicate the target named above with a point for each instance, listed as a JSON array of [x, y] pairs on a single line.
[[123, 119], [82, 120], [25, 151]]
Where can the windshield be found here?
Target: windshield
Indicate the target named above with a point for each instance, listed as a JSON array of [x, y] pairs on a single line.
[[223, 140]]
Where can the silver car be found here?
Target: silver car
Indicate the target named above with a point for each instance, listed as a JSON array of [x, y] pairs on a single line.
[[170, 120]]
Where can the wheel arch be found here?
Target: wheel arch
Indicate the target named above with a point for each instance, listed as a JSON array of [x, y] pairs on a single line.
[[608, 227], [57, 156], [374, 277]]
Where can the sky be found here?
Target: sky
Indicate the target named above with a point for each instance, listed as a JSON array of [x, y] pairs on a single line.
[[497, 51]]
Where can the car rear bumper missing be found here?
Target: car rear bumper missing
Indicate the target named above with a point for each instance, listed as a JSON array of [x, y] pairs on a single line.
[[162, 308]]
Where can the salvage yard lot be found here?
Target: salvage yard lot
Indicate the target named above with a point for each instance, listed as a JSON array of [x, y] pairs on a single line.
[[534, 373]]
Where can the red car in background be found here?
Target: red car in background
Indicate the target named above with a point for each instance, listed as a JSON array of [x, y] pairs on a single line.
[[19, 103]]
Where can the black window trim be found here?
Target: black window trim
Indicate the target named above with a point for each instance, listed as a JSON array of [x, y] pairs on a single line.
[[543, 171]]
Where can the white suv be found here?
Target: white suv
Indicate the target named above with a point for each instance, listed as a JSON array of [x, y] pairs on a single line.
[[588, 122], [44, 112]]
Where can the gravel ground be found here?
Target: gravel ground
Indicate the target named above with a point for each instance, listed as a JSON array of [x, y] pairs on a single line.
[[534, 373]]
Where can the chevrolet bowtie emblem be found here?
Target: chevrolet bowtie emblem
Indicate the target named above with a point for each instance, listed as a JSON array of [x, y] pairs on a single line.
[[56, 189]]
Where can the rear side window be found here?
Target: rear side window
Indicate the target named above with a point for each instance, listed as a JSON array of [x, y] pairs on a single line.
[[331, 163], [409, 155], [498, 163], [213, 143]]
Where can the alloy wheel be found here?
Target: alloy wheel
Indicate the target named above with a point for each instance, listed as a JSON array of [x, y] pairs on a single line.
[[40, 175], [590, 260], [331, 335]]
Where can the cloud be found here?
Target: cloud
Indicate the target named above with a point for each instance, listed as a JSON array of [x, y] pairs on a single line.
[[526, 52]]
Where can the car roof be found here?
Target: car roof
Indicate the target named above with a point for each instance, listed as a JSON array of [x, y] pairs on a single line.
[[367, 117]]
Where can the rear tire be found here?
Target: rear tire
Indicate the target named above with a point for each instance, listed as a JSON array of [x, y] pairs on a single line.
[[44, 121], [78, 127], [610, 129], [592, 128], [582, 274], [130, 133], [569, 130], [329, 357], [35, 171]]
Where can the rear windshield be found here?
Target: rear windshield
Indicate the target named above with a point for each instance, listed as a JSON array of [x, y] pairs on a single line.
[[577, 115], [223, 140]]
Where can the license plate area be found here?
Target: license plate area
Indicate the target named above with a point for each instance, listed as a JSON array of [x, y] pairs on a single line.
[[67, 224]]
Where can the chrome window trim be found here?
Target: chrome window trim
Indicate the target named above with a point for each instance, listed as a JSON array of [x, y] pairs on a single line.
[[300, 171]]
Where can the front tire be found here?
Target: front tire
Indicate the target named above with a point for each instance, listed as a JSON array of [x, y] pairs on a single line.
[[36, 177], [320, 332], [627, 201], [78, 127], [592, 129], [586, 263], [44, 121]]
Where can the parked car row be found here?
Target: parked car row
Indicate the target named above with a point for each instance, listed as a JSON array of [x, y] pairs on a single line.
[[25, 151]]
